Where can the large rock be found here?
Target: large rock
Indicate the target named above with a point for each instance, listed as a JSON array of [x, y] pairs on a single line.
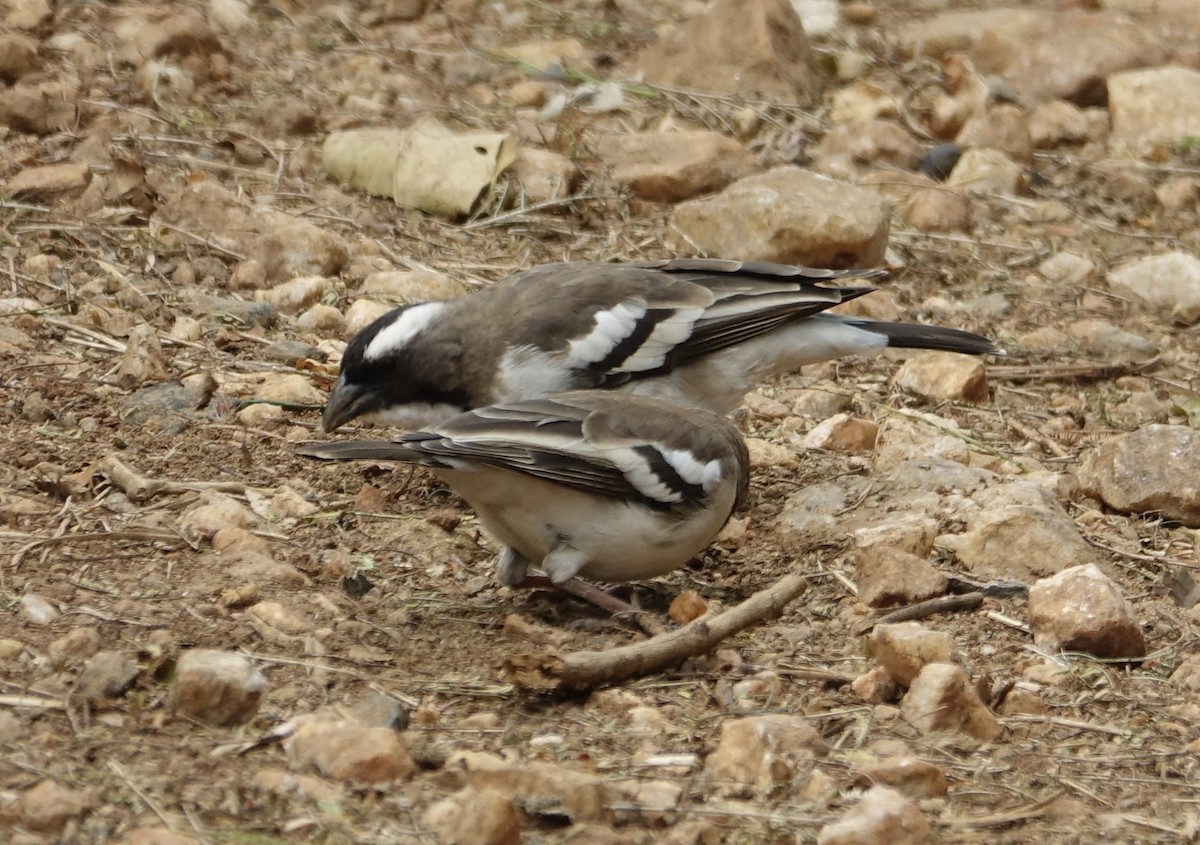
[[1019, 531], [944, 375], [792, 216], [927, 488], [950, 32], [1170, 281], [916, 435], [758, 754], [888, 576], [903, 649], [346, 751], [736, 47], [942, 698], [218, 688], [674, 166], [1156, 468], [1068, 56], [881, 815], [1152, 107], [1080, 609]]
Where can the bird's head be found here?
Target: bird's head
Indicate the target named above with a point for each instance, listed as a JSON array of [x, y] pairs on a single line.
[[403, 370]]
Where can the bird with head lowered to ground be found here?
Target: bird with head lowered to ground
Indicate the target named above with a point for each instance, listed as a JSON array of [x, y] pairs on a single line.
[[694, 332], [598, 484]]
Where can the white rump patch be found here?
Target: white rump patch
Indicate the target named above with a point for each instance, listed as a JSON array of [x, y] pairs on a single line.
[[612, 326], [526, 372], [822, 337], [411, 322]]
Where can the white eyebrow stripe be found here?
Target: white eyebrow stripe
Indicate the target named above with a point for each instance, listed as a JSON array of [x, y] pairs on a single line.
[[613, 325], [411, 322]]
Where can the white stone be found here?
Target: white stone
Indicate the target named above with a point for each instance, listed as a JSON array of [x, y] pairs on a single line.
[[1170, 281], [986, 170], [1067, 268], [36, 610], [363, 312], [882, 816], [1154, 106]]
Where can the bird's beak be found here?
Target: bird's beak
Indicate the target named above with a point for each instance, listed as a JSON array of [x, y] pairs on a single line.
[[345, 403]]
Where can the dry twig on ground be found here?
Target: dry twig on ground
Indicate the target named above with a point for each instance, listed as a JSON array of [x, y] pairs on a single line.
[[580, 670]]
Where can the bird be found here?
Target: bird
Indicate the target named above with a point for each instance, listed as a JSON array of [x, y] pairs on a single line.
[[696, 332], [597, 484]]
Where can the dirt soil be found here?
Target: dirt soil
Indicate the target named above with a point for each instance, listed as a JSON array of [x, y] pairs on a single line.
[[1109, 761]]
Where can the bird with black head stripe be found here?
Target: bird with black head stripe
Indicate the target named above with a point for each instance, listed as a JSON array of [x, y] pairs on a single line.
[[695, 332]]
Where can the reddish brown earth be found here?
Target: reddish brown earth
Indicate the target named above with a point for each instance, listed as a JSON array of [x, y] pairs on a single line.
[[1112, 758]]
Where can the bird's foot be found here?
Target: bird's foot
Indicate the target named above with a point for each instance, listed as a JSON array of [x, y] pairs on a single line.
[[598, 597]]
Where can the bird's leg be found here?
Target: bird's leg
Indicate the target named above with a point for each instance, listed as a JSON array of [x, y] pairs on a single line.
[[562, 564], [512, 568], [606, 601], [581, 589]]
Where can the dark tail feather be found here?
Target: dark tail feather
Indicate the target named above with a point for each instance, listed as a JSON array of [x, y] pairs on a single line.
[[922, 336], [404, 449]]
